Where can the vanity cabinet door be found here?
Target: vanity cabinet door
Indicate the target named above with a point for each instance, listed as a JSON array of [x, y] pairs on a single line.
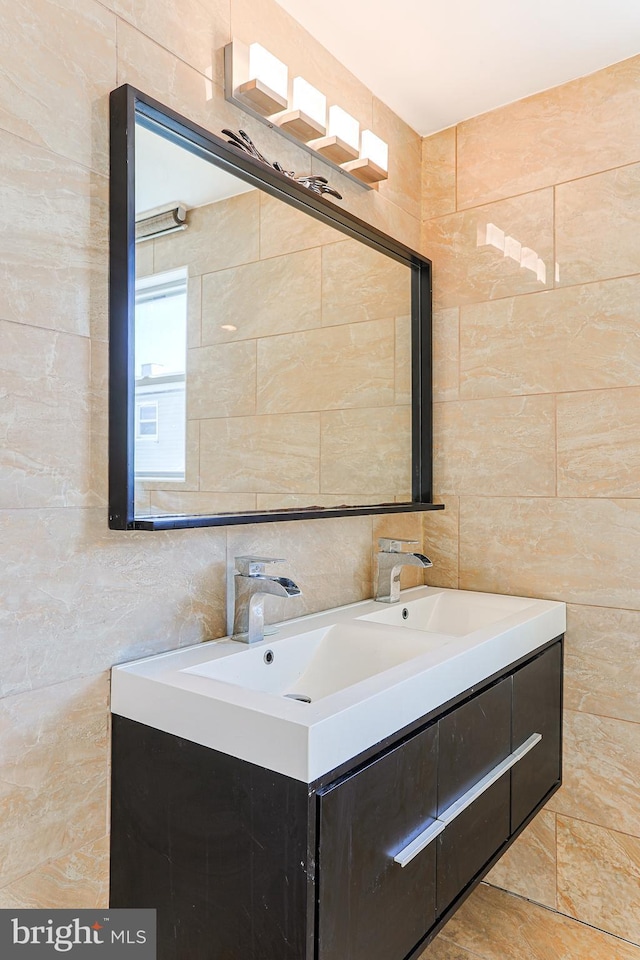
[[537, 708], [370, 907], [474, 740]]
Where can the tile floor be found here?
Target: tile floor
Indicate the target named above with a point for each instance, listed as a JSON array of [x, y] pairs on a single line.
[[494, 925]]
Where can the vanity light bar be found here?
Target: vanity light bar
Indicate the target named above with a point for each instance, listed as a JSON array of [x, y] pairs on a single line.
[[256, 82]]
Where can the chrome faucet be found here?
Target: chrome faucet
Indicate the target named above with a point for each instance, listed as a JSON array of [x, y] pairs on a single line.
[[248, 585], [391, 559]]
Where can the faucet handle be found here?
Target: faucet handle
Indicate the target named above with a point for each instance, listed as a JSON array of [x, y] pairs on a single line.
[[393, 544], [252, 566]]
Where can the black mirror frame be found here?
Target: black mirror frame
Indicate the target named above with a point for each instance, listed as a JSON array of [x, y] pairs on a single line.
[[127, 104]]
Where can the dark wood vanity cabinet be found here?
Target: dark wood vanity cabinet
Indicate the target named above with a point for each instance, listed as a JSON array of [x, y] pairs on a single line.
[[245, 864]]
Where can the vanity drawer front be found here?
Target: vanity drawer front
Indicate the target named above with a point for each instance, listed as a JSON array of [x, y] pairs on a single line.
[[371, 907], [473, 739], [470, 841], [537, 708]]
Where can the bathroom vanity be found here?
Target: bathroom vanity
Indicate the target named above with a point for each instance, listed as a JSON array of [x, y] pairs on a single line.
[[351, 827]]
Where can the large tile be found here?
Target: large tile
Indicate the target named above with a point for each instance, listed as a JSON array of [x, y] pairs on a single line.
[[284, 229], [401, 526], [601, 663], [195, 30], [443, 949], [264, 454], [598, 873], [327, 369], [502, 447], [439, 174], [601, 767], [446, 338], [359, 283], [574, 338], [78, 880], [403, 186], [45, 418], [200, 502], [498, 926], [440, 542], [572, 130], [366, 451], [54, 237], [498, 250], [528, 868], [599, 443], [58, 65], [598, 226], [262, 299], [76, 597], [219, 235], [580, 551], [222, 380], [53, 773]]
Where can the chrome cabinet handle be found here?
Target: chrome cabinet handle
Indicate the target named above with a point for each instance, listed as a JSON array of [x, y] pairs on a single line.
[[447, 816]]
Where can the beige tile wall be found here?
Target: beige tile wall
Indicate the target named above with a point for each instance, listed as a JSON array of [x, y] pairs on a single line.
[[75, 597], [531, 215]]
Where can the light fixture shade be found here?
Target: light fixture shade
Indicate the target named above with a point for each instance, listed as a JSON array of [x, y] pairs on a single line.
[[375, 149], [266, 68], [343, 126], [308, 100]]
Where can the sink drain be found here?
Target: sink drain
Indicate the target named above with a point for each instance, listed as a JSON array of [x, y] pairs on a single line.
[[303, 698]]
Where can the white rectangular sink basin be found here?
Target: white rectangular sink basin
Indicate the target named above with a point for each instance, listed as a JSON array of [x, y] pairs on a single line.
[[367, 670], [316, 664], [451, 612]]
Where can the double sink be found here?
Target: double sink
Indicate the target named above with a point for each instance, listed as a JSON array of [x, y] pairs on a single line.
[[328, 686]]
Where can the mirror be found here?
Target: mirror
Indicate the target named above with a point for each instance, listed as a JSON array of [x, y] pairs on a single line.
[[270, 353]]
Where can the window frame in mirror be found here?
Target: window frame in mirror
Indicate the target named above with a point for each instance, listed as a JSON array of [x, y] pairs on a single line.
[[127, 104]]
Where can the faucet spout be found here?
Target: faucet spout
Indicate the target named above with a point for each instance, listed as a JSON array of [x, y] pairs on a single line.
[[391, 560], [250, 586]]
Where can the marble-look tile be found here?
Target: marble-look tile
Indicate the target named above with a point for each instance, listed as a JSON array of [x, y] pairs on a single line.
[[440, 542], [265, 454], [502, 447], [359, 283], [598, 226], [329, 559], [195, 30], [219, 235], [573, 130], [76, 598], [262, 299], [401, 526], [402, 387], [54, 238], [171, 501], [327, 369], [144, 258], [598, 879], [601, 663], [498, 250], [373, 208], [499, 926], [574, 338], [599, 443], [528, 868], [53, 773], [59, 64], [366, 451], [579, 551], [45, 418], [284, 229], [446, 337], [443, 949], [403, 186], [439, 173], [78, 880], [222, 380], [600, 782]]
